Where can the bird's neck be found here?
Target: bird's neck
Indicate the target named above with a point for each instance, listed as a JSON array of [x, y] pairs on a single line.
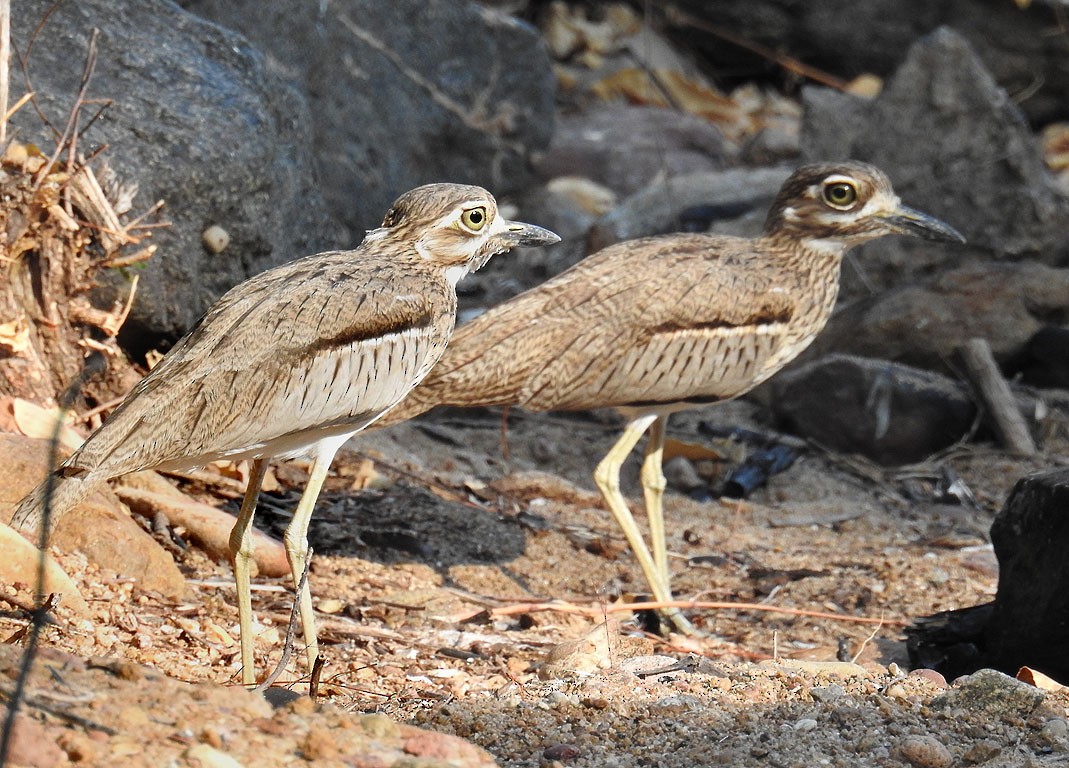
[[812, 267]]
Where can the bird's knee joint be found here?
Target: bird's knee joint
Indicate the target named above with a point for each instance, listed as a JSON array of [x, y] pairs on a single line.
[[607, 478]]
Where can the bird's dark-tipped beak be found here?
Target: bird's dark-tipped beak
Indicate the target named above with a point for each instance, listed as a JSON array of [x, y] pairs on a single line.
[[519, 233], [908, 221]]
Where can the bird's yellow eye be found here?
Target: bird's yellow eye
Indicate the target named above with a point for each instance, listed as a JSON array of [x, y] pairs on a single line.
[[840, 194], [474, 218]]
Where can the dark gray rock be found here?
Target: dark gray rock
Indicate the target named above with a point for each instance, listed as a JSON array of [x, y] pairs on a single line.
[[956, 146], [1023, 47], [709, 199], [888, 412], [197, 121], [1030, 621], [921, 324], [405, 92], [625, 147], [1044, 362]]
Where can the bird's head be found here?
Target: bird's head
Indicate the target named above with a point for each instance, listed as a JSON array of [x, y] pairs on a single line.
[[456, 226], [835, 206]]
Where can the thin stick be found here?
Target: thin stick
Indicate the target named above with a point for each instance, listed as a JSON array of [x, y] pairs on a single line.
[[995, 395], [681, 18], [291, 631], [5, 54], [865, 642], [653, 605]]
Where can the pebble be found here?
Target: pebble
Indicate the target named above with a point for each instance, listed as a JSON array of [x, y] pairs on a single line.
[[215, 238], [925, 752], [806, 724], [827, 693], [208, 757], [1054, 731], [931, 676], [561, 752], [981, 752]]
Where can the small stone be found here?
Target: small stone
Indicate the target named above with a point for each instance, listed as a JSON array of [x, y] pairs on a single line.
[[981, 752], [205, 756], [1054, 731], [827, 693], [805, 725], [925, 752], [319, 744], [931, 676], [215, 238], [561, 752], [895, 691], [331, 605]]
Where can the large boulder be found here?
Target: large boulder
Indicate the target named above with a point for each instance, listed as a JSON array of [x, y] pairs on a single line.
[[405, 92], [625, 147], [195, 119], [891, 413], [959, 149], [1029, 624], [923, 323]]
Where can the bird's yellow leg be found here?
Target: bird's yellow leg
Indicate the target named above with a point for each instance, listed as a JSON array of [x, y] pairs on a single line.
[[296, 538], [241, 556], [607, 478], [653, 485]]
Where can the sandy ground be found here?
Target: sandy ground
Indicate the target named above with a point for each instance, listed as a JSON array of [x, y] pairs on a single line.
[[443, 590]]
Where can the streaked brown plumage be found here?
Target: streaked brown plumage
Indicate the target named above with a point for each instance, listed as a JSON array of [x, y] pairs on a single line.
[[295, 361], [661, 324]]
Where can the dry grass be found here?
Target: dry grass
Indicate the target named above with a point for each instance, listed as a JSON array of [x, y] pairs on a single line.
[[64, 218]]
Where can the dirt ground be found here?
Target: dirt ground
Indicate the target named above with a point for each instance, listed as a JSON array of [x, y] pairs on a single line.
[[443, 590]]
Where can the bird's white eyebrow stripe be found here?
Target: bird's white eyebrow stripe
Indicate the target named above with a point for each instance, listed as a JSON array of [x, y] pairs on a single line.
[[450, 217]]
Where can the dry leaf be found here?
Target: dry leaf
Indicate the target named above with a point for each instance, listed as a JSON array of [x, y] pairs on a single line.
[[867, 86], [635, 85], [1055, 139], [587, 194], [15, 336], [1038, 679], [34, 421], [692, 451], [240, 471]]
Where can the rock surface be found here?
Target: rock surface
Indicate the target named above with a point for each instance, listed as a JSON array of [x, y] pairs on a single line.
[[707, 198], [122, 702], [922, 323], [1030, 535], [1014, 40], [960, 150], [97, 528], [197, 120], [626, 147], [405, 93], [888, 412]]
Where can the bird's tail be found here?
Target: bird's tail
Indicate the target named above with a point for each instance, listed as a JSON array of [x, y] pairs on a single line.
[[58, 493]]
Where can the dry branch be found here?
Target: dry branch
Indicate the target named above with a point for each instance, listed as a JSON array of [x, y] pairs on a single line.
[[994, 393]]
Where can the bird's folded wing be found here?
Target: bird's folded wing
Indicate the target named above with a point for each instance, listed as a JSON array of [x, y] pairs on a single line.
[[289, 354]]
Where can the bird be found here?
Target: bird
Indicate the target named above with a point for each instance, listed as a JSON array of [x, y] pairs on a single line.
[[294, 361], [661, 324]]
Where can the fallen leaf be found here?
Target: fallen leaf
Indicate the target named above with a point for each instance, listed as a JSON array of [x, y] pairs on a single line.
[[1038, 679], [692, 451], [636, 85], [37, 422], [15, 336]]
